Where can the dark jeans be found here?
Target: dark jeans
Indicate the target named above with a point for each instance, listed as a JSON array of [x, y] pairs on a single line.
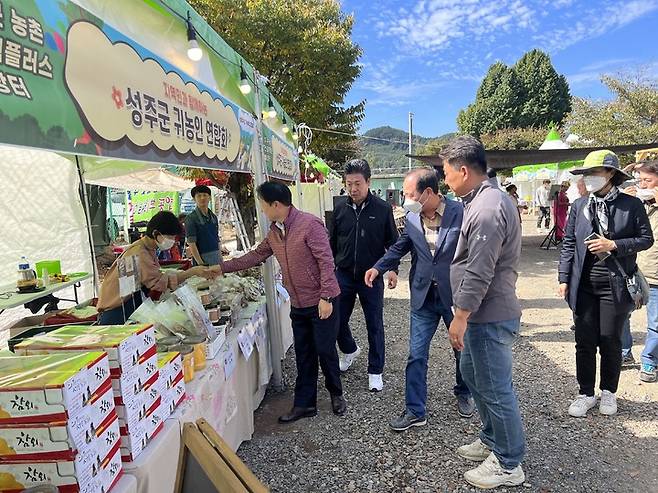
[[315, 339], [424, 323], [120, 314], [599, 323], [545, 214], [372, 302]]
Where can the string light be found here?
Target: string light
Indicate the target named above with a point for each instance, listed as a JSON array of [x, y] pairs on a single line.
[[271, 110], [245, 86], [194, 52], [285, 127], [295, 135]]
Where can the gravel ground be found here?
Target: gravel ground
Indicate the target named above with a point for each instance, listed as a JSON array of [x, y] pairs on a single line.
[[358, 452]]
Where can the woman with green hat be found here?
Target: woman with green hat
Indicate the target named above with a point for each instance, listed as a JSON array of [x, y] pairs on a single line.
[[604, 232]]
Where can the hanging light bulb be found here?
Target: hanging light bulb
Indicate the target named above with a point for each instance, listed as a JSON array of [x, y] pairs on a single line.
[[300, 149], [271, 110], [295, 135], [194, 52], [245, 86], [285, 127]]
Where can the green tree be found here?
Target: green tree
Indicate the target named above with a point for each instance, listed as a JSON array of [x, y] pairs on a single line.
[[304, 48], [629, 117], [515, 138], [546, 97], [529, 94]]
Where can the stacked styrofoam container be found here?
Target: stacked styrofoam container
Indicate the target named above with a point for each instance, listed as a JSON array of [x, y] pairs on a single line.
[[58, 423], [172, 385], [134, 374]]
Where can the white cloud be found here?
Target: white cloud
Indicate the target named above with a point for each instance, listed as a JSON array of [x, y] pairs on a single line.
[[596, 22]]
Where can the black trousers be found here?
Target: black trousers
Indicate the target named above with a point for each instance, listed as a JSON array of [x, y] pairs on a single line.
[[315, 339], [599, 323], [372, 302], [545, 214]]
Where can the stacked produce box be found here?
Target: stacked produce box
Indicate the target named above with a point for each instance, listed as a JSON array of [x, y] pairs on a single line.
[[58, 423], [133, 366]]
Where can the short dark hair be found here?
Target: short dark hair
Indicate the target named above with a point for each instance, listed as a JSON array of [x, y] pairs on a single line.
[[465, 150], [509, 188], [546, 181], [165, 223], [426, 178], [491, 173], [201, 189], [273, 191], [360, 166]]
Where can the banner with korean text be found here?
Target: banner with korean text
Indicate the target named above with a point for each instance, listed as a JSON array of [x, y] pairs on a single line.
[[70, 82]]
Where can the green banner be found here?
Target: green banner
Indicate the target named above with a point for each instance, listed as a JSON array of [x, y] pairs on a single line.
[[281, 159], [143, 206], [70, 82]]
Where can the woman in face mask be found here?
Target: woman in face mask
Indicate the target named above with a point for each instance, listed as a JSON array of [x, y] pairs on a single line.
[[604, 232], [161, 232]]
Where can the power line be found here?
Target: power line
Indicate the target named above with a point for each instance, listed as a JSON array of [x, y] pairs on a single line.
[[363, 136]]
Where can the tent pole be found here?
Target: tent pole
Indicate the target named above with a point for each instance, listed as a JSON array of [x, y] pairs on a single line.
[[90, 235], [276, 337]]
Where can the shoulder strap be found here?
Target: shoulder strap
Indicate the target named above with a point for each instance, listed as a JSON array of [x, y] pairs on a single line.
[[612, 255]]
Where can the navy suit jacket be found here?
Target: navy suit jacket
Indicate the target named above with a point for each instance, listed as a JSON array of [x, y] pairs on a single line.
[[426, 268]]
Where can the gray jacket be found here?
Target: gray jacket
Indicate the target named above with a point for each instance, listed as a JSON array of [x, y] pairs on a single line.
[[484, 271]]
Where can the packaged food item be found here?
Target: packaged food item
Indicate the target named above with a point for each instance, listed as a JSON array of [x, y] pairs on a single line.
[[198, 343], [187, 355], [50, 388]]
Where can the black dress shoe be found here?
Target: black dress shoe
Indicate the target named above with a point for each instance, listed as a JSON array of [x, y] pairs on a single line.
[[298, 413], [338, 404]]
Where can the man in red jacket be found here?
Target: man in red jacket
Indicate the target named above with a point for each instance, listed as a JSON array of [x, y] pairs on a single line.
[[300, 243]]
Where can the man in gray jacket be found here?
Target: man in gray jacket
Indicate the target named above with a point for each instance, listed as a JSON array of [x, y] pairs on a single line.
[[487, 313]]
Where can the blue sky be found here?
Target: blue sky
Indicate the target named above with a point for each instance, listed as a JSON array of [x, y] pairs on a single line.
[[428, 56]]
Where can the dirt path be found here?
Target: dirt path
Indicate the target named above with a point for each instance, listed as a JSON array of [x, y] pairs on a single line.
[[359, 453]]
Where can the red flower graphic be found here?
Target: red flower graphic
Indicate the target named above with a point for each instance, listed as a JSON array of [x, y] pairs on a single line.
[[117, 97]]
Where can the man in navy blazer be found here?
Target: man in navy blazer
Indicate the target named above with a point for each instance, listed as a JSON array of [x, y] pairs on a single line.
[[431, 233]]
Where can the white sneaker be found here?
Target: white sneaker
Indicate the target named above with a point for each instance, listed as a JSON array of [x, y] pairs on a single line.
[[582, 404], [346, 360], [375, 382], [608, 405], [476, 451], [490, 474]]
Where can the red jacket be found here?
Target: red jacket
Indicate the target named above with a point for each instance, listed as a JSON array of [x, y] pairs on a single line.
[[305, 257]]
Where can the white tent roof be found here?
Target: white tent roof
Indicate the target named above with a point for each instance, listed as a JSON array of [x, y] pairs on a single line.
[[148, 179]]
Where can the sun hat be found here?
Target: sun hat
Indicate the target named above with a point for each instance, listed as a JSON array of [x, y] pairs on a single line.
[[600, 159]]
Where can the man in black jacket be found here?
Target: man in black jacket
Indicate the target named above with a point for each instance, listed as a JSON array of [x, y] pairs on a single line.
[[363, 228]]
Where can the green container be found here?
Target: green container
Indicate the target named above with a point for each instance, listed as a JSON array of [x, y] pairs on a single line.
[[53, 267]]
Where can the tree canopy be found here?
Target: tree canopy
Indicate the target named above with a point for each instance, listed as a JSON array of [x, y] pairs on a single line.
[[629, 117], [529, 94], [305, 50]]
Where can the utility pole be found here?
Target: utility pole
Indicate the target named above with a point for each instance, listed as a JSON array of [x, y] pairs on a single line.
[[411, 130]]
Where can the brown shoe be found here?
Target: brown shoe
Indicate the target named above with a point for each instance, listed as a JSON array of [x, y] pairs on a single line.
[[298, 413], [338, 405]]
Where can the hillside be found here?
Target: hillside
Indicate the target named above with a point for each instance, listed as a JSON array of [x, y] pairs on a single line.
[[389, 157]]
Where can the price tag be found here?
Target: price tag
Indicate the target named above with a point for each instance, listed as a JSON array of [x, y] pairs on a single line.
[[246, 343], [229, 362]]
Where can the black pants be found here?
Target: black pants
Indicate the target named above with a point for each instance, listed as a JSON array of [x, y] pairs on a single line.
[[372, 302], [544, 213], [315, 339], [599, 323]]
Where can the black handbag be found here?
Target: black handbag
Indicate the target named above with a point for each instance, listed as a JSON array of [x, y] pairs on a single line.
[[637, 285]]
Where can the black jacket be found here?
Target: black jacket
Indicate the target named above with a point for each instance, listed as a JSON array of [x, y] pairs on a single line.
[[360, 239], [628, 226]]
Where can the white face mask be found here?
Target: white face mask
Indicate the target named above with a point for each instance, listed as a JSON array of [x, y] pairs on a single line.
[[645, 194], [166, 243], [594, 183], [410, 205]]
